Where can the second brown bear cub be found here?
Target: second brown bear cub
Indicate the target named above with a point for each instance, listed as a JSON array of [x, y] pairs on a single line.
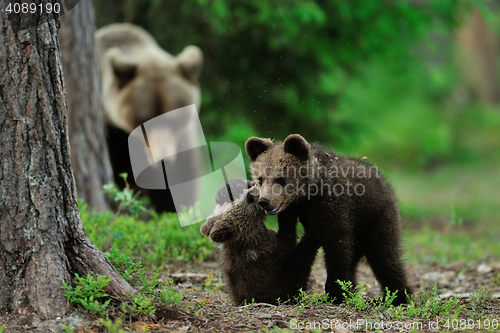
[[342, 201], [257, 263]]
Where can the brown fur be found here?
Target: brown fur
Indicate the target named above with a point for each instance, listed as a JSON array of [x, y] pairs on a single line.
[[141, 81], [257, 263], [294, 177]]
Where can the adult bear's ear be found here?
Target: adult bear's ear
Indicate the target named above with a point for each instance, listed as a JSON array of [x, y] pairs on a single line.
[[296, 145], [256, 146], [124, 69], [190, 62]]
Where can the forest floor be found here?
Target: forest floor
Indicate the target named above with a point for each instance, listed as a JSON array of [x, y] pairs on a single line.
[[206, 308]]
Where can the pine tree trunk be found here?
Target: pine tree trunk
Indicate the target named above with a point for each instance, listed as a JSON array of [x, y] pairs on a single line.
[[479, 53], [89, 152], [42, 240]]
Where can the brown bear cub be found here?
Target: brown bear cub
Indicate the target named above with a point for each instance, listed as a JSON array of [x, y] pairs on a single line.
[[342, 201], [257, 263]]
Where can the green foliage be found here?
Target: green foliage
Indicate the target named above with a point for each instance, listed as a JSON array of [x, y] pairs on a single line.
[[150, 288], [496, 279], [310, 299], [113, 327], [347, 73], [67, 328], [159, 240], [425, 305], [429, 305], [428, 245], [477, 301], [89, 293], [126, 198], [140, 305], [353, 295], [168, 295], [386, 302]]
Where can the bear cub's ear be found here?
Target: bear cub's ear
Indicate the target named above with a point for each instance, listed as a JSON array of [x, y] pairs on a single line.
[[296, 145], [256, 146], [206, 228]]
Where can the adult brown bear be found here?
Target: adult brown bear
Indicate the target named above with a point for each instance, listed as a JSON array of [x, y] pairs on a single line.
[[141, 81]]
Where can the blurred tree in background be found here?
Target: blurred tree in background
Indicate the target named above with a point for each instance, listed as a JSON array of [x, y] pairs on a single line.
[[366, 77]]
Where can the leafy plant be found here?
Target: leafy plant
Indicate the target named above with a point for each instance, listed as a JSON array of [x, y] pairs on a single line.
[[67, 328], [152, 288], [126, 198], [430, 305], [168, 294], [496, 279], [113, 327], [385, 302], [353, 295], [311, 298], [89, 293], [477, 300], [141, 305]]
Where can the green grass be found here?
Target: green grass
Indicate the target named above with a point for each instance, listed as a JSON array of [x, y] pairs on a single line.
[[89, 291], [159, 240], [427, 245], [467, 192], [450, 213]]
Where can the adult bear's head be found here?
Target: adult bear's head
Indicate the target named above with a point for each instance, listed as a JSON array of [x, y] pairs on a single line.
[[140, 80], [283, 171]]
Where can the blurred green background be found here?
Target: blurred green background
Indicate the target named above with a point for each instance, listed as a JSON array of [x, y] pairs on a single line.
[[414, 85]]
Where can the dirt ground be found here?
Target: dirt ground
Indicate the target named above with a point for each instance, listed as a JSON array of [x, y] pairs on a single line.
[[206, 308]]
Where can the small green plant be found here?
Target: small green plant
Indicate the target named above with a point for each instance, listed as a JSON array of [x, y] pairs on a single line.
[[385, 303], [311, 298], [249, 304], [209, 282], [142, 305], [1, 329], [127, 198], [113, 327], [67, 328], [198, 304], [389, 297], [89, 293], [477, 300], [431, 305], [353, 295], [135, 275], [455, 219], [168, 294], [132, 272], [496, 279]]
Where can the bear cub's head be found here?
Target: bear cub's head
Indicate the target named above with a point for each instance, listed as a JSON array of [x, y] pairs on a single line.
[[282, 171], [237, 213]]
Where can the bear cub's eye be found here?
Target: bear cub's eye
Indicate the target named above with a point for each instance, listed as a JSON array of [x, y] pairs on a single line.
[[250, 198], [260, 180], [281, 180]]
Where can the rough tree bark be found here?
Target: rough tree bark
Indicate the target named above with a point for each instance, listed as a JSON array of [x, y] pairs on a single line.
[[89, 152], [42, 240]]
